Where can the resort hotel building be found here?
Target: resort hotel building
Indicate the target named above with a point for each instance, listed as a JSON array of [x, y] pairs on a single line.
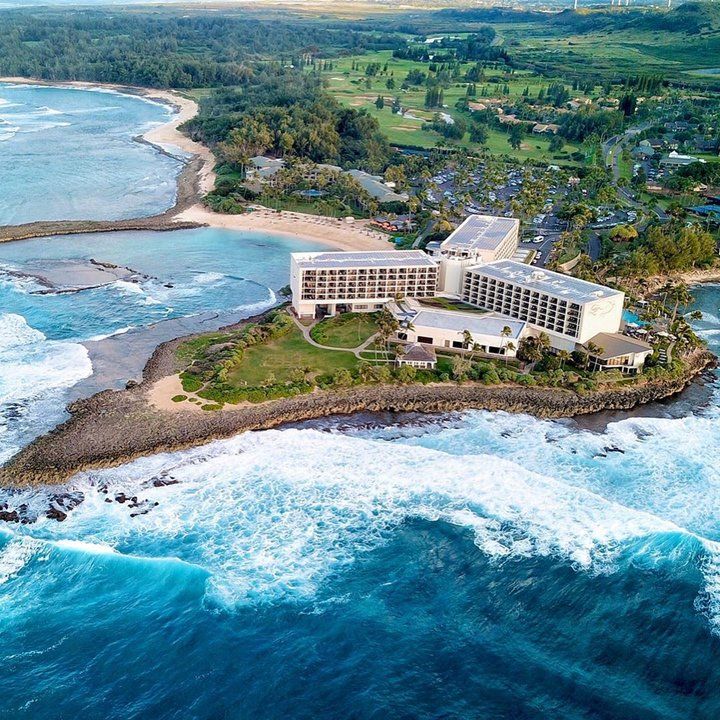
[[569, 310], [505, 301], [479, 239], [326, 283]]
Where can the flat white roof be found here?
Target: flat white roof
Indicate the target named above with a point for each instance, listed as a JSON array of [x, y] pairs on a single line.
[[375, 259], [481, 232], [474, 323], [547, 281]]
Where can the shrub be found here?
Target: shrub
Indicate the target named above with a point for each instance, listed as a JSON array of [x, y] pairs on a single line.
[[190, 382], [212, 407], [179, 398]]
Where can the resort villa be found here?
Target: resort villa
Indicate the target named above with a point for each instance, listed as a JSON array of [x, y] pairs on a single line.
[[506, 300]]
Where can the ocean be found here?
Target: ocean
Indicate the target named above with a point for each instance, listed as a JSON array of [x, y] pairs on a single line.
[[69, 154], [472, 565]]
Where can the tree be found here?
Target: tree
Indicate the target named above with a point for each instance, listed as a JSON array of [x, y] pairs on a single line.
[[467, 340], [563, 357], [515, 137], [529, 350], [478, 133], [460, 367], [380, 102], [680, 295], [505, 333], [556, 143]]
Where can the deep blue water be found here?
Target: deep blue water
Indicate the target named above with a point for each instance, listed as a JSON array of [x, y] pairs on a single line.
[[482, 565], [70, 154]]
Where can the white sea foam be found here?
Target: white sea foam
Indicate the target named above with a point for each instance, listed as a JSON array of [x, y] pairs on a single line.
[[119, 331], [15, 555], [30, 365], [209, 278], [271, 515]]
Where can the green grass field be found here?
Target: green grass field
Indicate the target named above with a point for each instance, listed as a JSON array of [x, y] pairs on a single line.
[[349, 87], [280, 357], [347, 330]]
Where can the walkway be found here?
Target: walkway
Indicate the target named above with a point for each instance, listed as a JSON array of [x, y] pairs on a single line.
[[356, 351]]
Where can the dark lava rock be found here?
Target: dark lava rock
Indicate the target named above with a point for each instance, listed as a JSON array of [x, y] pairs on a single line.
[[164, 482], [56, 514], [9, 516]]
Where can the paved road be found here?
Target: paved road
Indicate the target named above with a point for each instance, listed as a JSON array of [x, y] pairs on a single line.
[[612, 149]]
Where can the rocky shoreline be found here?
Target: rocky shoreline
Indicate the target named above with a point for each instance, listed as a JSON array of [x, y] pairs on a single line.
[[115, 427]]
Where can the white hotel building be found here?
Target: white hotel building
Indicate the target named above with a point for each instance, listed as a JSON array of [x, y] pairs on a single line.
[[332, 282], [569, 310], [515, 296], [478, 240]]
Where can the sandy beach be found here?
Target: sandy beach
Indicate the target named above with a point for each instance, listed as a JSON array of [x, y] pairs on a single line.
[[336, 234]]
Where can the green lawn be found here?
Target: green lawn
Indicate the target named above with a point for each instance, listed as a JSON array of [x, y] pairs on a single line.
[[347, 330], [280, 357], [447, 304], [349, 87]]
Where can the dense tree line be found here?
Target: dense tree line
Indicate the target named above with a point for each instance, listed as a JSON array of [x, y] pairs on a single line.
[[283, 112], [161, 50], [668, 248]]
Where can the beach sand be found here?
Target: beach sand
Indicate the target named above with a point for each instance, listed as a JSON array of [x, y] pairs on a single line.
[[337, 234]]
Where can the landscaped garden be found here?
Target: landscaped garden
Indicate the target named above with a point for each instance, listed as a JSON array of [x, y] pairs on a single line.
[[347, 330], [272, 359]]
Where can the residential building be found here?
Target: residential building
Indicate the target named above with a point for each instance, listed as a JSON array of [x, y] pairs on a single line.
[[263, 169], [619, 352], [488, 333], [332, 282], [479, 239], [569, 310], [375, 186], [545, 129]]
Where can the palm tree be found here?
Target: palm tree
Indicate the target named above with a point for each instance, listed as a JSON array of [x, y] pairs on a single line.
[[467, 340], [509, 348], [505, 333], [563, 356], [681, 295], [543, 341], [592, 349]]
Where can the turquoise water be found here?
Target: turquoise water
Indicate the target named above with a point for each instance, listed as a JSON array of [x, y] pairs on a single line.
[[630, 317], [214, 275], [480, 565], [70, 154], [476, 565]]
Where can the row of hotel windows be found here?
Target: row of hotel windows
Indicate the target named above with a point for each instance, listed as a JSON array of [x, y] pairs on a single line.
[[382, 272], [530, 306]]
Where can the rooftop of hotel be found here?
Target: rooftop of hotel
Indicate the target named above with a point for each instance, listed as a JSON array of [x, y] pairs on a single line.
[[377, 259], [473, 323], [547, 281], [480, 232]]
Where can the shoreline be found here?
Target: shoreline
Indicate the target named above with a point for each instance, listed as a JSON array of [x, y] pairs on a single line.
[[196, 179], [114, 427]]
